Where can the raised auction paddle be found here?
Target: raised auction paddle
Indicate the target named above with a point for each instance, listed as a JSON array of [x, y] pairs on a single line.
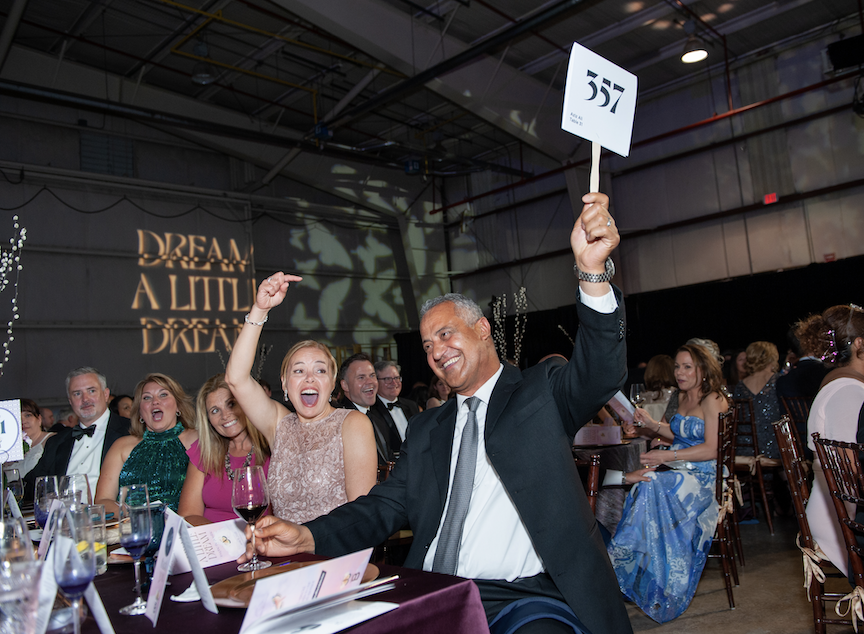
[[594, 178]]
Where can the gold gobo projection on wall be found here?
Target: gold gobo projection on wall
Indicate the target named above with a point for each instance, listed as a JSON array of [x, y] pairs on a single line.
[[187, 278]]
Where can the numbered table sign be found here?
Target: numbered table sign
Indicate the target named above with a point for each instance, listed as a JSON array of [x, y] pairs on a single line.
[[599, 100], [10, 431]]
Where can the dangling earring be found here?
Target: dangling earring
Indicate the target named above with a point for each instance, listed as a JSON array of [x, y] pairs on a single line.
[[286, 395]]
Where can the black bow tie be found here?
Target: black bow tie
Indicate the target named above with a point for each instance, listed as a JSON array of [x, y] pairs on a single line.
[[77, 431], [390, 406]]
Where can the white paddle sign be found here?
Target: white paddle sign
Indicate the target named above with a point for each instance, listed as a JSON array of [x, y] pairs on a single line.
[[599, 105]]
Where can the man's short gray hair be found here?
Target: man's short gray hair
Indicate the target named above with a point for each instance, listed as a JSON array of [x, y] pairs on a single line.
[[86, 370], [380, 366], [466, 308]]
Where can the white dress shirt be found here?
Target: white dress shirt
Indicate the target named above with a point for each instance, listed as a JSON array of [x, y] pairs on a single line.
[[86, 454], [398, 417], [495, 542]]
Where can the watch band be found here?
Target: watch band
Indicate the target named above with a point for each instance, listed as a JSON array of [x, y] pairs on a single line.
[[596, 278]]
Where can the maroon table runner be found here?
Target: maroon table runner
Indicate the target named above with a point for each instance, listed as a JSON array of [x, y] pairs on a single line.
[[428, 603]]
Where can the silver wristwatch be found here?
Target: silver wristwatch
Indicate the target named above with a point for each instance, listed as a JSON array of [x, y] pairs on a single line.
[[596, 278]]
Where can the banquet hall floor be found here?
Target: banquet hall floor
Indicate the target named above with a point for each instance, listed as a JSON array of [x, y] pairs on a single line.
[[770, 600]]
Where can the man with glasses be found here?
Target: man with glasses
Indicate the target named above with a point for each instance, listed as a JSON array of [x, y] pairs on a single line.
[[397, 411]]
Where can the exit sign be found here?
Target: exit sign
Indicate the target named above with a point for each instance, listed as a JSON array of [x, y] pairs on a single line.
[[769, 199]]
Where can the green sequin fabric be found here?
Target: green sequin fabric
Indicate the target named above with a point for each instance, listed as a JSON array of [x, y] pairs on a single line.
[[160, 462]]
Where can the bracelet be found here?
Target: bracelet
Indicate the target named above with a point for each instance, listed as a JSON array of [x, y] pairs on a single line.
[[676, 454], [623, 478], [658, 427], [255, 323]]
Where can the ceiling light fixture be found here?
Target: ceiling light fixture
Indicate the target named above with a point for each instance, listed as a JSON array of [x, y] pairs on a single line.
[[694, 48], [203, 72]]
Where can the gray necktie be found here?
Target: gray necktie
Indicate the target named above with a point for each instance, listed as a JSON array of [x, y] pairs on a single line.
[[447, 553]]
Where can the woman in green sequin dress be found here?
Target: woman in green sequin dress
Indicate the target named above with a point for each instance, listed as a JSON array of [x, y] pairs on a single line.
[[155, 451]]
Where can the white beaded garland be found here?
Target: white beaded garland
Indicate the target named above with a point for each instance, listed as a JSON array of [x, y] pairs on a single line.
[[10, 260]]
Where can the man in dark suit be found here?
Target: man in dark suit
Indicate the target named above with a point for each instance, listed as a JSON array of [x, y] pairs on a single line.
[[527, 531], [396, 410], [360, 386], [82, 448]]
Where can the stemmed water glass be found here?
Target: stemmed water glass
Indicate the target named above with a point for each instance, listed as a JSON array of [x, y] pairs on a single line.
[[75, 488], [46, 492], [637, 394], [250, 499], [73, 557], [14, 484], [19, 578], [136, 531]]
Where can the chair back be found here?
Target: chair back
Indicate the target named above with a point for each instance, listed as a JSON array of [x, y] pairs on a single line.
[[725, 454], [845, 480], [746, 436], [384, 471], [592, 484], [796, 475], [798, 410]]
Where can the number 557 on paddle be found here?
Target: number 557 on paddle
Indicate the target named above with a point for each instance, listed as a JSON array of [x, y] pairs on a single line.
[[599, 100]]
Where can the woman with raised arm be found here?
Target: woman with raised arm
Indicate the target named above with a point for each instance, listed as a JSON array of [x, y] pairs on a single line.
[[662, 542], [226, 442], [321, 457]]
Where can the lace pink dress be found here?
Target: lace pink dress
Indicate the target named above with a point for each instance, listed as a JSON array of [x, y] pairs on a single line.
[[307, 470]]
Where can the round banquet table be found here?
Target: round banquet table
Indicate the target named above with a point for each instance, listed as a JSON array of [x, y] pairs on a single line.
[[623, 457], [428, 603]]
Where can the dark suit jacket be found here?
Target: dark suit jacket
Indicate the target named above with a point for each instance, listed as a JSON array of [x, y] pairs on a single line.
[[409, 408], [382, 431], [802, 380], [58, 450], [530, 423]]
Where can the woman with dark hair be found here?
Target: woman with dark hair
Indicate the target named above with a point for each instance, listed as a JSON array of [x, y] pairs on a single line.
[[154, 452], [323, 457], [121, 405], [661, 544], [839, 333], [438, 393], [659, 384], [226, 441], [31, 425], [760, 384]]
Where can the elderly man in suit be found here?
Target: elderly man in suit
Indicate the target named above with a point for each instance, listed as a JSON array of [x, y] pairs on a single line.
[[487, 481], [394, 409], [360, 385], [81, 448]]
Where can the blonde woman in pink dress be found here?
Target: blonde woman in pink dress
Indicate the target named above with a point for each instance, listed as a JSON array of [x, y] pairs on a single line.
[[321, 457]]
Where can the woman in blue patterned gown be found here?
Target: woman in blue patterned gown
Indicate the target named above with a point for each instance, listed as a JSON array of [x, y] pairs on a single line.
[[669, 517]]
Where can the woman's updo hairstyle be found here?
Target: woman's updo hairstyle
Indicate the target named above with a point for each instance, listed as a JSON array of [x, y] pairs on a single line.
[[760, 355], [832, 333]]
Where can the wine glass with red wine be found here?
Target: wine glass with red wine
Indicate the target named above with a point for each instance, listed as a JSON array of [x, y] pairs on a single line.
[[250, 499]]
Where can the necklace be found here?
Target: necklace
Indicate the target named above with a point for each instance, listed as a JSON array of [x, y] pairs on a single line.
[[246, 463]]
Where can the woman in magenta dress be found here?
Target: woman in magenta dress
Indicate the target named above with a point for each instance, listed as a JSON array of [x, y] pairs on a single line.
[[225, 442]]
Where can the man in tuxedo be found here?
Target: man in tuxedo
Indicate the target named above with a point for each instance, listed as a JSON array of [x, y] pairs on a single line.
[[520, 525], [397, 411], [360, 385], [82, 448]]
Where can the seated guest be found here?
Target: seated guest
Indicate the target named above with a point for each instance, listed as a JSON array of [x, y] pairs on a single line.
[[83, 447], [155, 451], [760, 384], [122, 404], [226, 441], [805, 378], [31, 425], [487, 482], [392, 407], [418, 394], [438, 393], [322, 457], [47, 418], [359, 385], [839, 333], [659, 384], [661, 543], [67, 418]]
